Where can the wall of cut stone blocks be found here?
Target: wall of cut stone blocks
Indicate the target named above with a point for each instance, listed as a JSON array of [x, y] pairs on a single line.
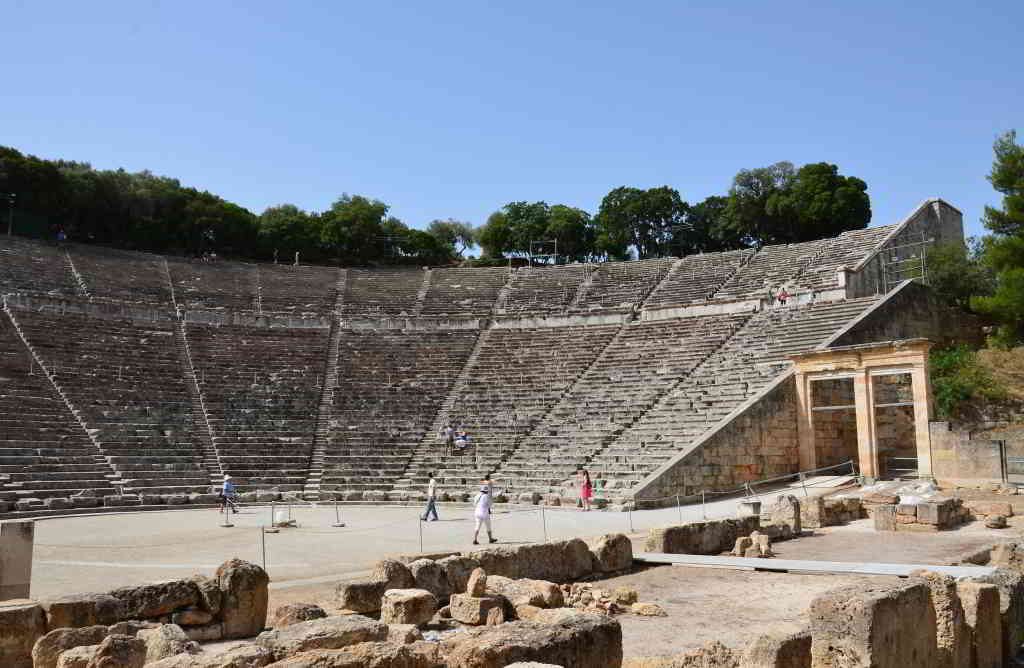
[[761, 442], [17, 540], [959, 458]]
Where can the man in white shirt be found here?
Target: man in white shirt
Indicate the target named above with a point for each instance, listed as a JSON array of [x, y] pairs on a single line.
[[482, 514], [431, 500]]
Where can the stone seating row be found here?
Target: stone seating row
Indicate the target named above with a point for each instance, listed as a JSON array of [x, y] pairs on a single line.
[[622, 284], [698, 277], [748, 362], [391, 386], [517, 376], [382, 291], [297, 290], [846, 250], [261, 388], [30, 266], [118, 275], [125, 380], [44, 452], [464, 291], [771, 268], [643, 362], [543, 289], [214, 285]]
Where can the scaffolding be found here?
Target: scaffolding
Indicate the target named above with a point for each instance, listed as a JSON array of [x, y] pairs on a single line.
[[905, 262]]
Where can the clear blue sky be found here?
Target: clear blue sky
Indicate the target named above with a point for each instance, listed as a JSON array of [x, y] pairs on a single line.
[[452, 109]]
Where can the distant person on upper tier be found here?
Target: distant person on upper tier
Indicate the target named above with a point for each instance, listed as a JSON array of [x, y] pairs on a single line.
[[227, 496], [448, 434], [783, 296], [461, 440], [431, 500], [482, 514]]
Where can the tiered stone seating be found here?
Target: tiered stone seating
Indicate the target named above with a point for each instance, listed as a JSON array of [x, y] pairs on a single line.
[[219, 284], [297, 290], [262, 388], [518, 375], [697, 278], [543, 289], [391, 385], [44, 452], [846, 250], [125, 379], [770, 269], [747, 362], [33, 266], [644, 361], [464, 291], [382, 291], [119, 275], [623, 284]]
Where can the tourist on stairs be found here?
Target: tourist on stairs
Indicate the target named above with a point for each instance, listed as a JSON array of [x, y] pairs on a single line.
[[482, 513]]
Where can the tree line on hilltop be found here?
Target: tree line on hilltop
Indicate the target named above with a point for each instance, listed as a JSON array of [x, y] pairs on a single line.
[[142, 211]]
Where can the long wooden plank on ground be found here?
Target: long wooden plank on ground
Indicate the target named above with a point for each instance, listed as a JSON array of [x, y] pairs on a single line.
[[806, 566]]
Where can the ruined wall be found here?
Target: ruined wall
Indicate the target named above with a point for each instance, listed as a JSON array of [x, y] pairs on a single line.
[[913, 311], [933, 220], [835, 429], [959, 458], [760, 442]]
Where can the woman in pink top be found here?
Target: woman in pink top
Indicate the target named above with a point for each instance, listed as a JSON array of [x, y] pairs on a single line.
[[586, 488]]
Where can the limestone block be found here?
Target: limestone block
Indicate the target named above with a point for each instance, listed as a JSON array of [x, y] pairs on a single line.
[[404, 633], [429, 574], [1011, 608], [293, 613], [164, 641], [77, 657], [980, 604], [363, 595], [995, 521], [472, 609], [576, 641], [370, 655], [885, 518], [85, 501], [985, 508], [612, 552], [130, 627], [237, 656], [813, 513], [770, 651], [531, 498], [743, 543], [375, 496], [48, 648], [907, 509], [552, 500], [206, 633], [786, 512], [154, 600], [244, 593], [523, 591], [210, 595], [57, 503], [646, 609], [118, 651], [352, 495], [22, 623], [176, 499], [866, 625], [625, 595], [457, 570], [407, 606], [952, 635], [477, 583], [1007, 555], [77, 610], [527, 611], [191, 617], [327, 633], [393, 572], [495, 616]]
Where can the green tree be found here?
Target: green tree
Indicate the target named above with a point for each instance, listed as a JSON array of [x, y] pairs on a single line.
[[817, 203], [353, 229], [747, 216], [957, 272], [1004, 249], [456, 234], [495, 236], [573, 230], [286, 229], [644, 220]]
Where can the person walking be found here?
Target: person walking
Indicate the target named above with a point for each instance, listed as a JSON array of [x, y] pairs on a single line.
[[586, 488], [431, 500], [448, 433], [482, 514], [227, 496]]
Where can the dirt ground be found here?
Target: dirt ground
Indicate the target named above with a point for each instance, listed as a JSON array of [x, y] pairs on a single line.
[[732, 606]]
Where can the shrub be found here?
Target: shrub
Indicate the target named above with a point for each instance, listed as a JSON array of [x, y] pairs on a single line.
[[960, 382]]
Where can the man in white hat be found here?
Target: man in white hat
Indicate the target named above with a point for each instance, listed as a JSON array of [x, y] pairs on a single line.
[[227, 494], [482, 513]]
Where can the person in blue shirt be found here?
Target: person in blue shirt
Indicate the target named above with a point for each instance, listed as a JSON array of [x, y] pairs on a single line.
[[227, 496]]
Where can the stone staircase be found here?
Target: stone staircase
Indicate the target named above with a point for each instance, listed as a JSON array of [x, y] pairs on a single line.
[[311, 490], [83, 289], [211, 457]]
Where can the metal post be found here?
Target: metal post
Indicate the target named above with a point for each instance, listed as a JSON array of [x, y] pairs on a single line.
[[263, 546], [679, 507], [703, 505], [544, 522], [803, 483], [271, 513], [419, 523], [629, 516]]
